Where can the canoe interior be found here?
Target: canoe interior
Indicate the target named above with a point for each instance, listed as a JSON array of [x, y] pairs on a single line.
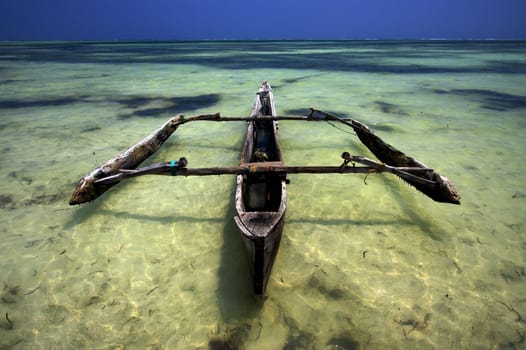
[[261, 198], [262, 192]]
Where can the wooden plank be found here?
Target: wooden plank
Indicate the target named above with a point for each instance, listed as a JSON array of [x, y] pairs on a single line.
[[179, 169]]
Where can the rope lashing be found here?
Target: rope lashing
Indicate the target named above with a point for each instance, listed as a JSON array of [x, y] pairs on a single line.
[[177, 164], [346, 156]]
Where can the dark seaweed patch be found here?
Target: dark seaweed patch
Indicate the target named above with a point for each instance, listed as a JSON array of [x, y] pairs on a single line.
[[56, 314], [384, 127], [9, 294], [494, 100], [45, 199], [351, 56], [25, 179], [302, 340], [471, 167], [49, 102], [490, 99], [171, 105], [90, 129], [140, 103], [8, 325], [6, 201], [89, 76], [195, 102], [230, 343], [297, 111], [509, 67], [384, 106], [8, 81], [297, 79], [345, 341], [297, 338], [232, 339], [389, 108], [512, 272], [14, 81], [136, 101], [221, 344], [335, 293], [317, 282]]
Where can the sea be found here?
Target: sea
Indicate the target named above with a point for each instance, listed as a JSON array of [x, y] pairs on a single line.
[[365, 262]]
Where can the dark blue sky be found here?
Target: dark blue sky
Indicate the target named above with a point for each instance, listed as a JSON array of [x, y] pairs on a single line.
[[272, 19]]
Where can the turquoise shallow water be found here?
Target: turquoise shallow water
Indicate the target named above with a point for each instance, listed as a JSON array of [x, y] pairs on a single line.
[[157, 263]]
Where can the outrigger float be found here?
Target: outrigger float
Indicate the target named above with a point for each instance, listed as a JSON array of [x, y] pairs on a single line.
[[261, 192]]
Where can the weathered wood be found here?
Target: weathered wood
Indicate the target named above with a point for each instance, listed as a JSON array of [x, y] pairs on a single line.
[[87, 190], [261, 196], [439, 188], [171, 169]]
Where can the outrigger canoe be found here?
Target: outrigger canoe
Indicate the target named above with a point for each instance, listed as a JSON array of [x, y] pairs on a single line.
[[260, 198]]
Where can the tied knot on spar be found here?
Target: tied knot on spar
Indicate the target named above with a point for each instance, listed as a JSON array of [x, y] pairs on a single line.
[[347, 158]]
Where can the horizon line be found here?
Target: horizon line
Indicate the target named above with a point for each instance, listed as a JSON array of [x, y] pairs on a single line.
[[255, 40]]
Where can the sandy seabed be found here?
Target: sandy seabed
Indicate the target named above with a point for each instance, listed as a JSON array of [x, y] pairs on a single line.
[[364, 263]]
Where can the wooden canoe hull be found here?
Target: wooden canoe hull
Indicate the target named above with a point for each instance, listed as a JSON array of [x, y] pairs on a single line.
[[261, 234], [261, 197]]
